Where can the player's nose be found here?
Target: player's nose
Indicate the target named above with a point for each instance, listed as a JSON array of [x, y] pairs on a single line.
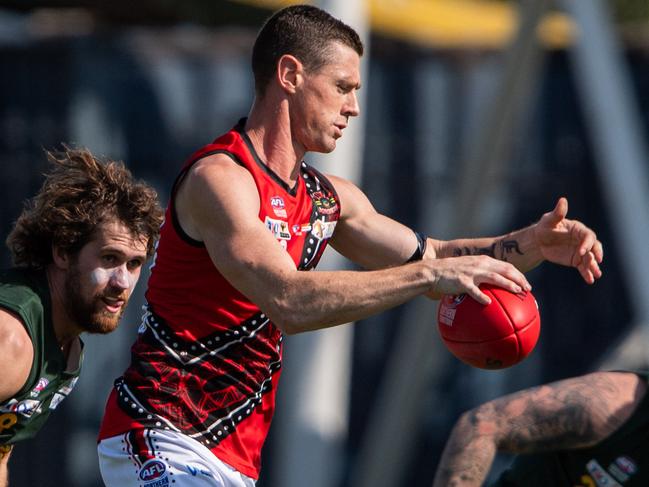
[[120, 277]]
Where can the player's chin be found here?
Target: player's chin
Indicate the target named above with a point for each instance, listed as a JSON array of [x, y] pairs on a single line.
[[325, 148], [103, 323], [332, 144]]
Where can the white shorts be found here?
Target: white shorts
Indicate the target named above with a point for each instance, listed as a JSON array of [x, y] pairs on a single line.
[[160, 458]]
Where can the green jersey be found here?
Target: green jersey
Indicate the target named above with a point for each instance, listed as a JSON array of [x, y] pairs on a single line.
[[26, 294], [622, 459]]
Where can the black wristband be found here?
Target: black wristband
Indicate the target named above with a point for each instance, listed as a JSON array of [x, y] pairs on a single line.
[[420, 250]]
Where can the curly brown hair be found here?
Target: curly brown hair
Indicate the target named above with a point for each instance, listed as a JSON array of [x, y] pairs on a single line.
[[79, 193]]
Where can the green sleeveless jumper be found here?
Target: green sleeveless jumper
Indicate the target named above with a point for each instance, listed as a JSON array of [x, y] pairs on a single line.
[[26, 294]]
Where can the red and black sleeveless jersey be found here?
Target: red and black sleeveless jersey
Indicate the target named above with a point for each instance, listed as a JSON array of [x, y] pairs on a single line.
[[206, 362]]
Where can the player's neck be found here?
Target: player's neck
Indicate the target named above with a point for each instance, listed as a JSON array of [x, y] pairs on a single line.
[[270, 133], [65, 329]]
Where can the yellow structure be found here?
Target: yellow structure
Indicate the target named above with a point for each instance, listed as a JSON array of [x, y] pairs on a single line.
[[450, 24]]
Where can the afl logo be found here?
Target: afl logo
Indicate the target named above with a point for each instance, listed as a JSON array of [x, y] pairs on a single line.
[[277, 202], [279, 208], [152, 470]]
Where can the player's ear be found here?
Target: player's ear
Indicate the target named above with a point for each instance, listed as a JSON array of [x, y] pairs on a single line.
[[60, 257], [290, 73]]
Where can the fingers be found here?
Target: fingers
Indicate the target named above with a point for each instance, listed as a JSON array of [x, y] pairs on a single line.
[[598, 251], [478, 295], [465, 274], [587, 242], [589, 269], [487, 270], [590, 254], [506, 277], [512, 284]]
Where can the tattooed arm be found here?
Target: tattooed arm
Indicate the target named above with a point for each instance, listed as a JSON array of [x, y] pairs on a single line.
[[517, 248], [573, 413], [553, 238]]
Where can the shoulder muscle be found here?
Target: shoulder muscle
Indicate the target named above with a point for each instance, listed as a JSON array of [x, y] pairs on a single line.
[[16, 354], [215, 190]]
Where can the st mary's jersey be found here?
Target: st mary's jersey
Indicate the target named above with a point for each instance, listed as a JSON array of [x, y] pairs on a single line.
[[207, 359], [26, 294]]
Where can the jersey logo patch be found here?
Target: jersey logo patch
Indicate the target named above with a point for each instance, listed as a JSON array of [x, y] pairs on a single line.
[[56, 400], [279, 228], [601, 476], [279, 208], [26, 407], [322, 229], [152, 470], [326, 205], [623, 468], [42, 384]]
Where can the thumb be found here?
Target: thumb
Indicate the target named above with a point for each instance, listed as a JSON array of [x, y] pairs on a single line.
[[559, 212]]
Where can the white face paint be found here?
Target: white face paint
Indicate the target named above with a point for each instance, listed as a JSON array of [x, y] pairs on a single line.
[[100, 277], [117, 277]]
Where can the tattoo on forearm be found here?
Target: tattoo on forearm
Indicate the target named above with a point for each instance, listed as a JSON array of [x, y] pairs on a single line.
[[547, 428], [500, 249], [490, 251], [569, 414], [508, 247], [573, 413]]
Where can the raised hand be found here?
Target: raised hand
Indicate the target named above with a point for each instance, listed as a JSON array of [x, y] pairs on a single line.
[[569, 242]]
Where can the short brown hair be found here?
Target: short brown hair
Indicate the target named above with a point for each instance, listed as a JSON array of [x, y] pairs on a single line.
[[302, 31], [79, 193]]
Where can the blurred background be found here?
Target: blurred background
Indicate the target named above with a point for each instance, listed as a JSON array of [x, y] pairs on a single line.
[[476, 116]]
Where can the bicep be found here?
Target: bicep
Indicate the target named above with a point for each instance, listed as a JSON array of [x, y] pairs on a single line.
[[224, 205], [365, 236], [16, 354]]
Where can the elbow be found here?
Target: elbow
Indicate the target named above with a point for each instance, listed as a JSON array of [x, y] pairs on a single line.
[[292, 309], [285, 317], [289, 328], [475, 426], [291, 318], [286, 325]]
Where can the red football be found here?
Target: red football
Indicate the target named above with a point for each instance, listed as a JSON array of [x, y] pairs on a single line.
[[493, 336]]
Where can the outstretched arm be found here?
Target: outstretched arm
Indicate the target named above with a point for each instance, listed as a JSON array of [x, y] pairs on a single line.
[[218, 204], [573, 413], [554, 238], [376, 241]]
